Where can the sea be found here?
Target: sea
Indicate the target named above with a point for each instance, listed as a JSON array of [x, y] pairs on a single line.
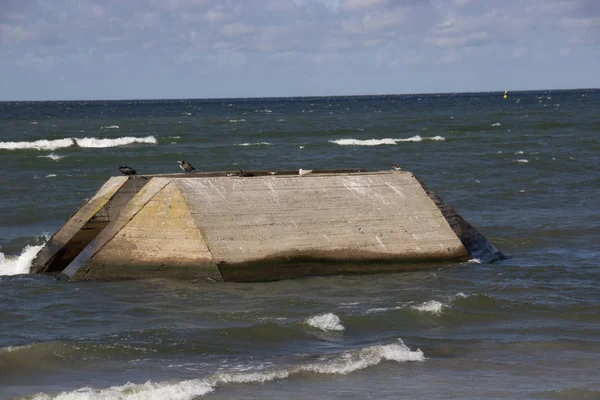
[[524, 170]]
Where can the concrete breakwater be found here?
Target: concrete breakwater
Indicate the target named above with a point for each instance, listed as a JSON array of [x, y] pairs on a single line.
[[260, 226]]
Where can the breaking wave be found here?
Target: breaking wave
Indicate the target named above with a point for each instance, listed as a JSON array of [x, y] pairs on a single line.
[[38, 144], [123, 141], [254, 144], [343, 363], [52, 156], [431, 306], [379, 142], [88, 142], [16, 265], [326, 322]]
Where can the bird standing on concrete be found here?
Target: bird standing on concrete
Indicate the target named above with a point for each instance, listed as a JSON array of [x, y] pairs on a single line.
[[127, 170], [186, 167], [304, 171], [396, 167]]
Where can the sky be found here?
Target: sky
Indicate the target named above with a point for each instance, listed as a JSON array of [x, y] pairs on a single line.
[[156, 49]]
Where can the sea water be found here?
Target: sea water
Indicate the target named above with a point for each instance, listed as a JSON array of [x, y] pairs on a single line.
[[523, 170]]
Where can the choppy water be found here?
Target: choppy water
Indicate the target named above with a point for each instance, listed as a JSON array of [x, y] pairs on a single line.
[[524, 171]]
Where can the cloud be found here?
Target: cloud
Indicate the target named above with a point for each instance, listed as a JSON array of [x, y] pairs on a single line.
[[230, 32]]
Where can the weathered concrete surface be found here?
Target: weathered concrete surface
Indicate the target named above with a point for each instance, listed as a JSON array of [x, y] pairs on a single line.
[[154, 235], [85, 224], [269, 227]]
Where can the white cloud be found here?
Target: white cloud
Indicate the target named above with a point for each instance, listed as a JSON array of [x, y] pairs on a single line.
[[520, 52], [354, 5]]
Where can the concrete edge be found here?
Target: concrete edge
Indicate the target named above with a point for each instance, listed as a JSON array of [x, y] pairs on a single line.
[[476, 244], [76, 221], [133, 207]]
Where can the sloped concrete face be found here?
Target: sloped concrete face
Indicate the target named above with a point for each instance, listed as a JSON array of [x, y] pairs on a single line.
[[87, 222], [274, 227], [162, 238], [154, 236]]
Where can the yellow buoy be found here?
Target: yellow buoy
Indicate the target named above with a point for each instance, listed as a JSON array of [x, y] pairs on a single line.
[[506, 91]]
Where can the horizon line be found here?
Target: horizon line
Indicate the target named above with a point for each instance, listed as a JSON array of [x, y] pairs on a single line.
[[295, 97]]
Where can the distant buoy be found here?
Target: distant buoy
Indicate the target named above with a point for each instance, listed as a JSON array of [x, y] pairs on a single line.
[[505, 92]]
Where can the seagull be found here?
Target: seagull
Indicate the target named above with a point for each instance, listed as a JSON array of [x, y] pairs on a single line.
[[304, 171], [187, 167], [396, 167], [230, 173], [127, 170], [272, 172]]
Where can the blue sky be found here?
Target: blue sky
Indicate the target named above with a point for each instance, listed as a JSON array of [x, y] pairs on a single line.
[[151, 49]]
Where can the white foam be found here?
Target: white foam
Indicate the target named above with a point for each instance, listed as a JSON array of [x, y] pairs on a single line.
[[522, 161], [343, 363], [185, 390], [254, 144], [15, 265], [385, 141], [496, 124], [38, 144], [50, 176], [33, 123], [186, 113], [91, 142], [236, 120], [431, 306], [326, 322], [474, 261], [110, 127], [52, 156], [354, 360], [520, 152], [438, 138]]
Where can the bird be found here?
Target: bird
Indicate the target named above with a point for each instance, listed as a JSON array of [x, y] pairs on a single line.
[[396, 167], [272, 172], [230, 173], [125, 170], [186, 167], [304, 171]]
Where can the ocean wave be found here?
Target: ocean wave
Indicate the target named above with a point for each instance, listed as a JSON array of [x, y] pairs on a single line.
[[524, 160], [52, 156], [92, 142], [254, 144], [88, 142], [110, 127], [16, 265], [431, 306], [379, 142], [236, 120], [326, 322], [342, 364], [38, 144]]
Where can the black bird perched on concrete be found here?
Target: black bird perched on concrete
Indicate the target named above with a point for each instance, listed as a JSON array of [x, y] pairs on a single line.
[[187, 167], [127, 170]]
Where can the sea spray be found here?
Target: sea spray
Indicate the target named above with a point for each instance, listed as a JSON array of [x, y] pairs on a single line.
[[15, 265], [326, 322], [385, 141]]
